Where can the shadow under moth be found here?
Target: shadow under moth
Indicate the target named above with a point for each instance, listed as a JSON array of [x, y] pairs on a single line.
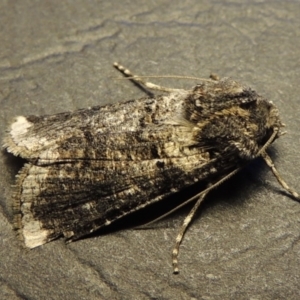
[[90, 167]]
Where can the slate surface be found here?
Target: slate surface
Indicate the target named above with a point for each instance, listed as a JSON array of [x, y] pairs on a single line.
[[57, 56]]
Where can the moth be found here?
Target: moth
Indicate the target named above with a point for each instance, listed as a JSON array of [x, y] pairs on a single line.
[[86, 169]]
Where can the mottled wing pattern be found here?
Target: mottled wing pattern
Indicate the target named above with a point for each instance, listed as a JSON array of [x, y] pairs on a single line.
[[90, 167], [77, 198]]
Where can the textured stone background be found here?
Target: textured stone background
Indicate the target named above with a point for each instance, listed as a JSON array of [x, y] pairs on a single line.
[[57, 56]]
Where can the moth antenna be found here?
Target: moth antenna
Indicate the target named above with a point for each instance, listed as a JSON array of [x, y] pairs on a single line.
[[211, 187], [270, 163], [149, 85], [169, 76], [269, 141], [183, 229]]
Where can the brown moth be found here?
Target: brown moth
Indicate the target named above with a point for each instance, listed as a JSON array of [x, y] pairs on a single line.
[[90, 167]]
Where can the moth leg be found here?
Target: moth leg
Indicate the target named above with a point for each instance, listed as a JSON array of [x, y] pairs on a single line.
[[270, 163], [183, 228], [137, 79]]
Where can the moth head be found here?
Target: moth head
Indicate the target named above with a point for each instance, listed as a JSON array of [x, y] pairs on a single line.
[[270, 114], [273, 119]]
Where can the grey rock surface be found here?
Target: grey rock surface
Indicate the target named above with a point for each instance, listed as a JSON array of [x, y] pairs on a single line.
[[57, 56]]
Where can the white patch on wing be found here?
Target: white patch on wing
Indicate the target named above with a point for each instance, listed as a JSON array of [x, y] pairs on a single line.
[[33, 235], [32, 231], [19, 127]]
